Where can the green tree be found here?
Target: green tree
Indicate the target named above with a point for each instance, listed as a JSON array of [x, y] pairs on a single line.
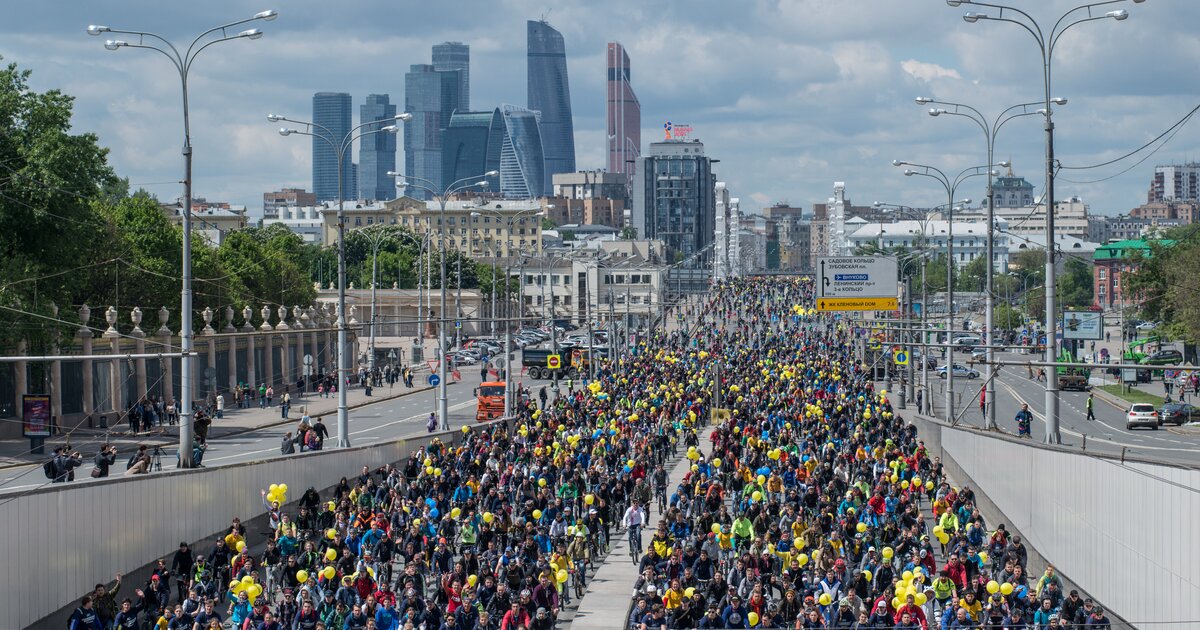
[[48, 231], [1005, 317], [1075, 284]]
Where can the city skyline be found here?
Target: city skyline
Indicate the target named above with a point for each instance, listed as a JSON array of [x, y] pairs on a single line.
[[792, 99], [549, 92]]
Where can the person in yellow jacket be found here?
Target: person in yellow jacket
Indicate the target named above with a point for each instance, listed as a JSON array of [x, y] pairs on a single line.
[[673, 597]]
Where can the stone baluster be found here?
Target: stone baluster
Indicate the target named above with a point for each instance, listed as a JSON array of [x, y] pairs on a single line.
[[139, 364], [168, 364]]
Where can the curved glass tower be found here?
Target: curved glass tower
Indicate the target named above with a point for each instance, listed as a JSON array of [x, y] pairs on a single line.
[[550, 94], [471, 146], [522, 161]]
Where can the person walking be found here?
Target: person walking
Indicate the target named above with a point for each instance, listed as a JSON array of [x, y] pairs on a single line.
[[285, 405], [1091, 412], [1024, 418]]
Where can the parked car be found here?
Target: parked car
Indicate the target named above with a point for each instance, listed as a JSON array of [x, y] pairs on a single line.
[[1141, 414], [966, 341], [960, 371], [1162, 357], [1178, 413], [978, 354], [1147, 325]]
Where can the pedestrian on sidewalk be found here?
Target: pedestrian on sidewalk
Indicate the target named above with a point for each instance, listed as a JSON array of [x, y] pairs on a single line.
[[1024, 418], [262, 396], [270, 394], [285, 405], [220, 406]]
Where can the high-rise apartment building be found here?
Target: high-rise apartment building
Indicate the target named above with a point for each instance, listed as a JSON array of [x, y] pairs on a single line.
[[1175, 183], [376, 152], [331, 110], [674, 196], [549, 93], [431, 97], [624, 114], [456, 57]]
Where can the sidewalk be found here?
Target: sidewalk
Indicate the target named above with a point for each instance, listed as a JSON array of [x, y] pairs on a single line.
[[609, 595], [15, 452]]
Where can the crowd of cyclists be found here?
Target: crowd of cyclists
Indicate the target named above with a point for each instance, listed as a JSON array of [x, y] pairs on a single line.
[[807, 503]]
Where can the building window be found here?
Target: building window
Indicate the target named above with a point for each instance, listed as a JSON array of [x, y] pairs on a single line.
[[1103, 273], [370, 220], [357, 221]]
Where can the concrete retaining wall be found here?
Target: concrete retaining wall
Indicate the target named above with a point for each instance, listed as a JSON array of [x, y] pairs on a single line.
[[1121, 531], [62, 540]]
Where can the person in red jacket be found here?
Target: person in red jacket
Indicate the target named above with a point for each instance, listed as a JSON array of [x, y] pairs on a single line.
[[915, 612], [957, 571]]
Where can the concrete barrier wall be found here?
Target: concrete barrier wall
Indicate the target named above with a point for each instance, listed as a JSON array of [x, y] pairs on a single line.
[[1123, 532], [60, 541]]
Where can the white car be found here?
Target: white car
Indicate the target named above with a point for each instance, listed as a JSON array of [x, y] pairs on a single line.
[[1141, 414], [960, 371]]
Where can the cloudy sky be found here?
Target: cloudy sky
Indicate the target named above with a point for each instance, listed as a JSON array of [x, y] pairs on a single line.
[[790, 95]]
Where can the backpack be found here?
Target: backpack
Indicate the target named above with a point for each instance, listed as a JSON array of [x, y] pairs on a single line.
[[50, 468]]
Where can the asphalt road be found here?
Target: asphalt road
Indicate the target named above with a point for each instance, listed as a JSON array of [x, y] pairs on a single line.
[[1107, 434]]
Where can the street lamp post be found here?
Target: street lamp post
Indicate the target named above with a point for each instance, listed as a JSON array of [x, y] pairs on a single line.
[[1046, 42], [951, 185], [442, 198], [990, 129], [183, 65], [340, 147]]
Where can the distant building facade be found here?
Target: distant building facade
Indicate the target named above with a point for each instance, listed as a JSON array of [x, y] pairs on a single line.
[[274, 202], [673, 196], [456, 57], [431, 96], [1175, 183], [589, 198]]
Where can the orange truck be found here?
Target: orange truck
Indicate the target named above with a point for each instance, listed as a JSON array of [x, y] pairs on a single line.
[[489, 399]]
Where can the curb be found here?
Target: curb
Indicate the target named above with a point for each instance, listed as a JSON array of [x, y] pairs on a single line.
[[281, 421]]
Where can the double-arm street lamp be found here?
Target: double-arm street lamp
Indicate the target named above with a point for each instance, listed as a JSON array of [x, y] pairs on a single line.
[[990, 129], [442, 198], [183, 64], [1046, 42], [341, 147], [951, 185]]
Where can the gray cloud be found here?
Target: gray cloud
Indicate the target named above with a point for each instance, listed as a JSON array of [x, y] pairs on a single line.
[[791, 95]]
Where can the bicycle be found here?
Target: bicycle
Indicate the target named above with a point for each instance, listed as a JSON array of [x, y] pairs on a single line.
[[635, 543]]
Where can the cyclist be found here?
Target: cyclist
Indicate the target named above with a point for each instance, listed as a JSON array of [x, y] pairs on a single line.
[[634, 518], [660, 488]]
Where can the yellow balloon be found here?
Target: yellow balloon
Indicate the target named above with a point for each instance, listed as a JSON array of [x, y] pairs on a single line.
[[331, 554], [542, 482], [537, 515], [273, 488], [861, 527], [887, 553], [329, 572], [437, 472], [716, 462], [455, 512], [241, 546], [589, 499], [825, 599], [247, 580], [753, 617], [993, 587], [916, 481], [429, 470], [907, 576], [302, 576], [802, 559], [868, 575], [331, 534], [1006, 589], [472, 579], [983, 556], [562, 575], [689, 592], [920, 599], [488, 517], [428, 461], [757, 496], [283, 488]]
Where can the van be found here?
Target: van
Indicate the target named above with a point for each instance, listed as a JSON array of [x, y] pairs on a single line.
[[966, 341]]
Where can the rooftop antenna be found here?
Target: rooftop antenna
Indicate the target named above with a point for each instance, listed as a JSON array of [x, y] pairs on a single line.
[[544, 16]]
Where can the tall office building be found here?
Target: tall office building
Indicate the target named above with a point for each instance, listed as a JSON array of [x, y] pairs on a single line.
[[376, 152], [431, 97], [471, 146], [624, 114], [550, 94], [674, 196], [456, 57], [1180, 182], [331, 110], [522, 157]]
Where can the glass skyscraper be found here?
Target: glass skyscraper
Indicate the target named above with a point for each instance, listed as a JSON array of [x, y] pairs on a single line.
[[331, 110], [471, 146], [376, 152], [550, 94], [522, 160], [431, 97], [456, 57], [624, 113]]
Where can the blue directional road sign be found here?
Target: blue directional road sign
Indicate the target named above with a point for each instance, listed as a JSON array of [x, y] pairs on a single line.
[[901, 357], [433, 380]]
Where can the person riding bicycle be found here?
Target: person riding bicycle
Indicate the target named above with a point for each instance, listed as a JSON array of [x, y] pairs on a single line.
[[660, 487], [1023, 418], [633, 520]]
